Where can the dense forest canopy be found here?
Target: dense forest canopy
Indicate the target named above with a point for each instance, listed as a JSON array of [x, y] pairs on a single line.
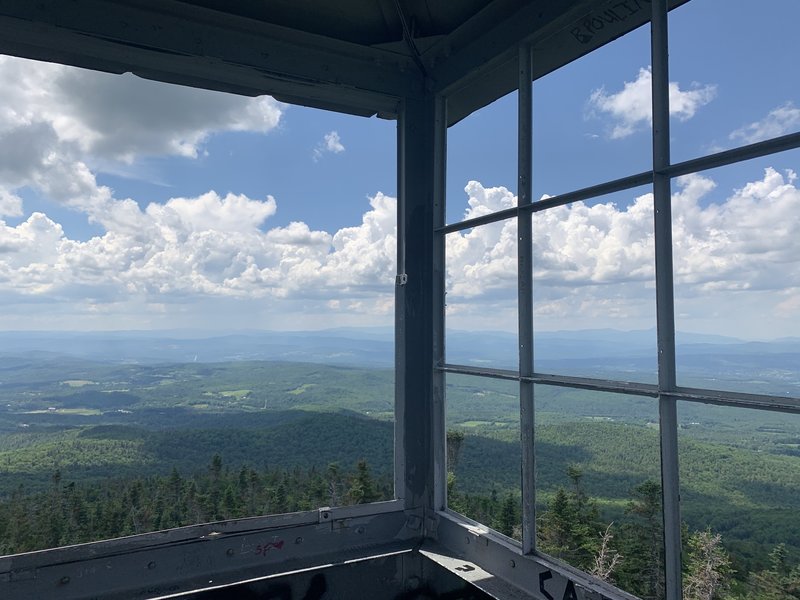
[[91, 450]]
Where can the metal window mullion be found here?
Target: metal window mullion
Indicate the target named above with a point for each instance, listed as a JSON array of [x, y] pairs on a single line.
[[783, 143], [525, 297], [724, 158], [438, 298], [594, 191], [399, 318], [665, 309]]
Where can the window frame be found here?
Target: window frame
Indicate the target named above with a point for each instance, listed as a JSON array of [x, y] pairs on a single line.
[[667, 393]]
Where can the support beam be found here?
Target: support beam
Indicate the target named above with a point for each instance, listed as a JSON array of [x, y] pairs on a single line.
[[494, 564], [189, 558], [476, 64], [421, 209], [175, 42], [665, 309], [525, 295], [438, 303]]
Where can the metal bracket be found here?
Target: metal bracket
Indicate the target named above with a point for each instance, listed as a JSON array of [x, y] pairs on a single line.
[[414, 523], [401, 279], [431, 525]]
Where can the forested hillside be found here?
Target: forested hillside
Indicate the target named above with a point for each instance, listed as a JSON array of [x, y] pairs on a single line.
[[90, 450], [70, 512]]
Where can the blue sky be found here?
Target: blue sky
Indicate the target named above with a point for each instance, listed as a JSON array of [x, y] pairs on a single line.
[[292, 162], [126, 204]]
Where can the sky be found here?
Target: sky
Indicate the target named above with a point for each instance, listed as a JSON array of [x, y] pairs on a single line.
[[128, 204]]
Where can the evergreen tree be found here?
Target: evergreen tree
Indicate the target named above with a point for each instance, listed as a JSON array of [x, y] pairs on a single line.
[[643, 572], [193, 503], [555, 525], [216, 467], [362, 488], [334, 485], [570, 527], [779, 581], [54, 517], [73, 513], [509, 516], [317, 489], [230, 505], [280, 499], [455, 442]]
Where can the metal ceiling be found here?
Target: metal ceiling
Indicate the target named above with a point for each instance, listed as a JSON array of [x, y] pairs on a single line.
[[356, 56], [362, 22]]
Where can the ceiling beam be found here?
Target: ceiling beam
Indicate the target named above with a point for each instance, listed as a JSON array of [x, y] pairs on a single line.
[[559, 32], [178, 42]]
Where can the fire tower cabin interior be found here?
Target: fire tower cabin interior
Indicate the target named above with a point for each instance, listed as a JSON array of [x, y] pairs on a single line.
[[426, 66]]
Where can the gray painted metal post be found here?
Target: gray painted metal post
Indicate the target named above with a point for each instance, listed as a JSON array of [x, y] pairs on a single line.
[[415, 353], [665, 309], [399, 321], [438, 302], [525, 297]]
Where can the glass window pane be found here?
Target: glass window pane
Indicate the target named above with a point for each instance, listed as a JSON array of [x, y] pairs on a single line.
[[598, 482], [592, 118], [737, 276], [481, 288], [726, 61], [594, 288], [740, 489], [483, 451], [189, 333], [482, 155]]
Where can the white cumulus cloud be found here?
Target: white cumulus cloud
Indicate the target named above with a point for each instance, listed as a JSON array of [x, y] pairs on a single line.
[[56, 122], [120, 117], [207, 254], [735, 259], [747, 242], [331, 143], [233, 213], [216, 256], [780, 121], [189, 250], [10, 204], [631, 108]]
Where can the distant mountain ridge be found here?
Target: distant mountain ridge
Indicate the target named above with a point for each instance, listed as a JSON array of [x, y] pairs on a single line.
[[703, 360], [368, 346]]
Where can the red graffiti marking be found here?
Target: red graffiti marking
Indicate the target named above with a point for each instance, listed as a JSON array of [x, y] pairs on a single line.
[[262, 549]]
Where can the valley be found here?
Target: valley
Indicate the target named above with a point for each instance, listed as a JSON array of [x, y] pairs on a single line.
[[75, 420]]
